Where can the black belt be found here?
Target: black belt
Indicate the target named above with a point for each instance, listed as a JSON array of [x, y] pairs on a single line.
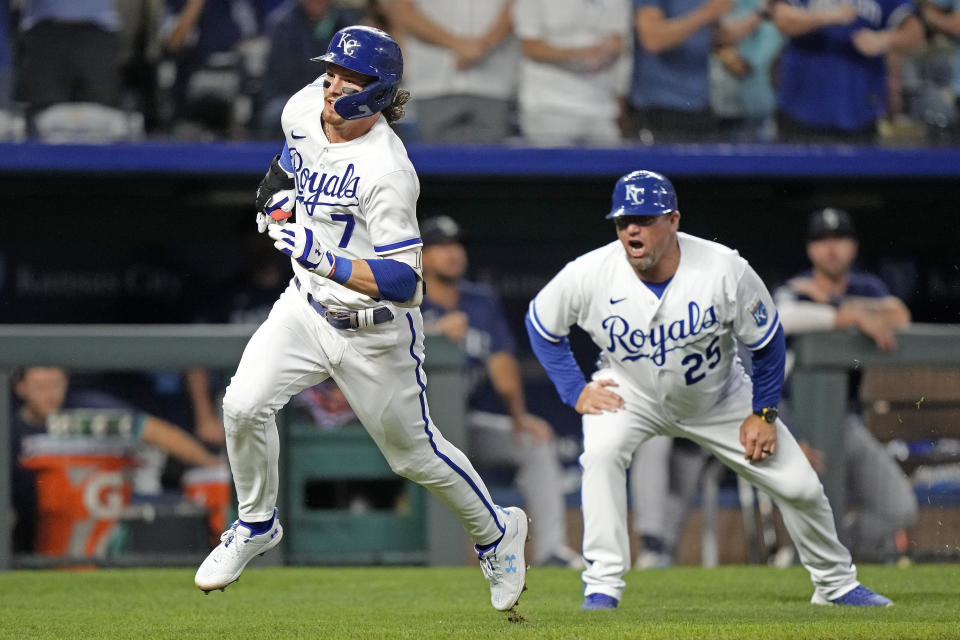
[[346, 319]]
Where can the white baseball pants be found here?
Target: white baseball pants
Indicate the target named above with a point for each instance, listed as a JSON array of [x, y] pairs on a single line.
[[380, 371], [609, 441]]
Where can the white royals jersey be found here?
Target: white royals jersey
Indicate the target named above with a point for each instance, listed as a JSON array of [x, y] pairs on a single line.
[[680, 350], [359, 197]]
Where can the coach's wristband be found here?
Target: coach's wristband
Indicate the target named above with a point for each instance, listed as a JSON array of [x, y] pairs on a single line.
[[342, 268]]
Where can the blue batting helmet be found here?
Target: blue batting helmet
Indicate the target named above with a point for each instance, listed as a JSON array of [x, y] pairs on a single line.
[[371, 52], [643, 193]]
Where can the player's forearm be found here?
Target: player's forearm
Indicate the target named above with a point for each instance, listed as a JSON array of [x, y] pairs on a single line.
[[657, 33], [794, 21], [379, 279], [185, 23], [801, 317], [557, 359], [409, 17], [198, 388], [505, 377], [889, 308], [907, 37], [176, 442], [541, 51], [769, 365], [946, 22], [500, 29]]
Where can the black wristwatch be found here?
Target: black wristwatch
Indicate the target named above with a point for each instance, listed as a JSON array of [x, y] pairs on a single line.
[[769, 414]]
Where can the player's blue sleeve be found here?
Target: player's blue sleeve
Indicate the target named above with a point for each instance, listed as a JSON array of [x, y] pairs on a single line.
[[557, 358], [768, 370], [396, 281], [286, 163]]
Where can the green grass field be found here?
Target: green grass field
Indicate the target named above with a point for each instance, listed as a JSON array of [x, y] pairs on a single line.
[[275, 603]]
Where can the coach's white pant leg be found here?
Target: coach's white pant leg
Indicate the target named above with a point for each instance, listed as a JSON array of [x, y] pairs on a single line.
[[791, 482], [281, 359], [382, 377], [609, 441]]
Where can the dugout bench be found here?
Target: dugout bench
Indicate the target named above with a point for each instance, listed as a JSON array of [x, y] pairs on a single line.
[[820, 385], [429, 532]]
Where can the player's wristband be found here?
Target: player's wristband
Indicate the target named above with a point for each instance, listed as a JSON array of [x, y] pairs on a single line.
[[342, 268]]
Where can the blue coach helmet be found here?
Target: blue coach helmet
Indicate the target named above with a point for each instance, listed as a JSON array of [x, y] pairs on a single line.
[[371, 52], [643, 193]]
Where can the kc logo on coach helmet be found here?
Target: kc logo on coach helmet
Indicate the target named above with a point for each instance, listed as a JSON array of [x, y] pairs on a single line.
[[634, 194], [347, 44]]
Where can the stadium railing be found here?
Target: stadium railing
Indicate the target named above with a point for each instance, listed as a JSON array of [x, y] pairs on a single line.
[[820, 384], [675, 160]]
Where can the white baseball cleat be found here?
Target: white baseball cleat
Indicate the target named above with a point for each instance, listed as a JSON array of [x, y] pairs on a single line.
[[504, 564], [237, 547]]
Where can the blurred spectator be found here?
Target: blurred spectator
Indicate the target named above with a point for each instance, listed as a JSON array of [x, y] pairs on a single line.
[[461, 65], [670, 94], [6, 64], [67, 52], [742, 95], [139, 51], [501, 433], [575, 70], [202, 37], [833, 294], [297, 31], [664, 478], [42, 393], [833, 74], [943, 16], [378, 14]]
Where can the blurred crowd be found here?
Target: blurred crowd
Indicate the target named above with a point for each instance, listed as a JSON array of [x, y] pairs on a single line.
[[544, 72]]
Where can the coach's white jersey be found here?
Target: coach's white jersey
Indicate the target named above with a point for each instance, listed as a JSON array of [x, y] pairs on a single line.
[[680, 349], [358, 197]]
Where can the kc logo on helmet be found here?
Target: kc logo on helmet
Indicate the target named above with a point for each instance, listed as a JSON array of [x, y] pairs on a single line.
[[348, 44], [634, 194]]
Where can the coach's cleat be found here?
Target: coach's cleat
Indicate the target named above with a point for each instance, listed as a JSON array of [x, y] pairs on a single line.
[[504, 563], [238, 545], [596, 601], [860, 596]]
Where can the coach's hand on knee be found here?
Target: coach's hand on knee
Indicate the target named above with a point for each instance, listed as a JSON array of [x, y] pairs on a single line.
[[595, 398], [758, 437]]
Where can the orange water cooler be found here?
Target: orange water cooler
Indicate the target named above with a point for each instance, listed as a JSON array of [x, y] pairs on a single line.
[[83, 487]]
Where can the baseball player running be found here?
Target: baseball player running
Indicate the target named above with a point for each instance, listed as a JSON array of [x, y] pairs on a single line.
[[350, 313], [666, 309]]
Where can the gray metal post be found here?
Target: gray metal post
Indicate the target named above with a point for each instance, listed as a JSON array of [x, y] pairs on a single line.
[[819, 411], [446, 395]]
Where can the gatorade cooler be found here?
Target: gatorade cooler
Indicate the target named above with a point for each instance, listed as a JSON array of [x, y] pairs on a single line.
[[83, 486], [210, 487]]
